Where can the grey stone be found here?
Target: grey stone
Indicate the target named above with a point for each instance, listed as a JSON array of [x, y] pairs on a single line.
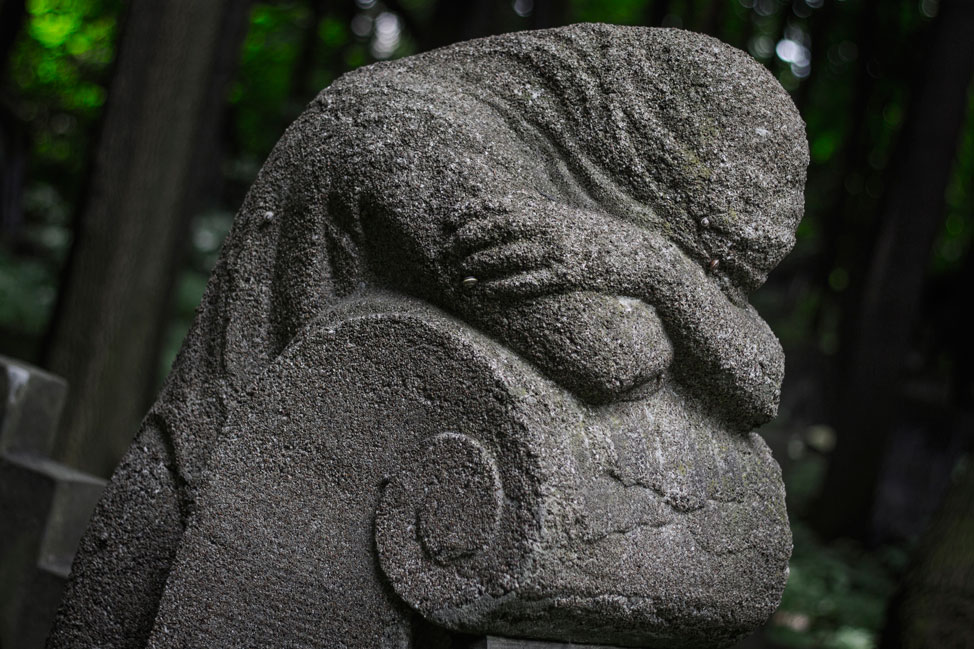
[[44, 506], [491, 642], [30, 407], [44, 509], [477, 353]]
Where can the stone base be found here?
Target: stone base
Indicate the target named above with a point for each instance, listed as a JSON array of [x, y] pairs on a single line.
[[492, 642], [496, 503]]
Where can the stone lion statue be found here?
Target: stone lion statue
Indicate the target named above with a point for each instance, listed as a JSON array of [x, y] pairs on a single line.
[[576, 216]]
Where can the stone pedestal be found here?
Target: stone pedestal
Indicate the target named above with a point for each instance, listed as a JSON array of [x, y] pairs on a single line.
[[494, 501], [492, 642]]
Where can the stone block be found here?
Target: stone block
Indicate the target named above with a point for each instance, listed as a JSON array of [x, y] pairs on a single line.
[[30, 408]]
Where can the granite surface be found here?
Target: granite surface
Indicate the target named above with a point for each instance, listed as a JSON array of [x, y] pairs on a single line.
[[477, 350]]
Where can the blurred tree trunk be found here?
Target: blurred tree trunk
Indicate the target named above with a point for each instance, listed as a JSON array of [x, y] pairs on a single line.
[[13, 138], [12, 14], [302, 88], [166, 97], [549, 13], [935, 607], [455, 21], [656, 12], [913, 209], [713, 20], [845, 226], [13, 165], [822, 23]]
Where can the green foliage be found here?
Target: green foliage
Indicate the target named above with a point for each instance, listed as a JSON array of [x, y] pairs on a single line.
[[59, 69], [26, 293], [836, 594], [953, 246], [621, 12], [333, 33], [824, 145], [57, 73], [208, 232], [261, 96]]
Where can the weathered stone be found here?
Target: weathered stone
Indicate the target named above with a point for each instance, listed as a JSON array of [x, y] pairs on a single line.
[[30, 407], [44, 506], [478, 348], [491, 642]]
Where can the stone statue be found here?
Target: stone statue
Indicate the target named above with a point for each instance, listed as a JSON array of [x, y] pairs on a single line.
[[477, 358]]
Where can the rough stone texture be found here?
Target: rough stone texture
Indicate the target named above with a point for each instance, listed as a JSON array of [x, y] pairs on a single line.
[[491, 642], [478, 348], [44, 506]]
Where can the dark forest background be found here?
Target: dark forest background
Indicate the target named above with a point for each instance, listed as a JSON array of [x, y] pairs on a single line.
[[130, 131]]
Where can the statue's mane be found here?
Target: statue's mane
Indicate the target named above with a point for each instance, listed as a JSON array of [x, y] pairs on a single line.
[[639, 116]]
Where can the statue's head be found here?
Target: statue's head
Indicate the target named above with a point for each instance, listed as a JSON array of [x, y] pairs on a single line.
[[680, 133], [720, 151]]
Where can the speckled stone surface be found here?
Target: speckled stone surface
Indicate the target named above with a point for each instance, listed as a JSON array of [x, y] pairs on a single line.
[[477, 349]]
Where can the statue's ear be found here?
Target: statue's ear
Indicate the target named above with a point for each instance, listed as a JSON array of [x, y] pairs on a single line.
[[245, 311], [292, 252], [249, 312]]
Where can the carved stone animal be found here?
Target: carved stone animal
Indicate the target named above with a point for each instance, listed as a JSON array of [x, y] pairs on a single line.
[[565, 191]]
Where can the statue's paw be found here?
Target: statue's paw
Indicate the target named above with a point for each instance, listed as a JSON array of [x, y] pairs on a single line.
[[479, 230], [508, 254], [507, 259]]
